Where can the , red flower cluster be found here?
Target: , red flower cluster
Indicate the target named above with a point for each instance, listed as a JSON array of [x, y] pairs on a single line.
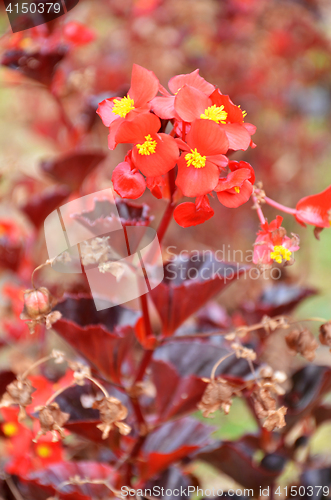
[[71, 34], [272, 244], [206, 127], [25, 455]]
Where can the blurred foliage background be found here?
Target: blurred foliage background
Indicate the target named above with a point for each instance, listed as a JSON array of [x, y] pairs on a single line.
[[273, 57]]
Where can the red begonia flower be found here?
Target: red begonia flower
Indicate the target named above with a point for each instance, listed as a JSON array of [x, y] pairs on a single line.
[[235, 189], [156, 185], [191, 214], [115, 111], [153, 154], [191, 103], [77, 33], [315, 209], [235, 128], [18, 435], [127, 182], [25, 455], [10, 230], [198, 166], [164, 106], [272, 244], [236, 165]]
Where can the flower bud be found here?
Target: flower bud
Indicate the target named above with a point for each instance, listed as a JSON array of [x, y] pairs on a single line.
[[37, 302]]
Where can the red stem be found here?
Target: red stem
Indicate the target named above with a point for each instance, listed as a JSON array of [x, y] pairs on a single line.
[[148, 354], [279, 206], [133, 455], [167, 216], [259, 210], [143, 365], [166, 219], [147, 321], [139, 414]]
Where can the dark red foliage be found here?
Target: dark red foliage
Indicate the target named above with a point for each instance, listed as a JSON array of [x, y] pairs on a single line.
[[322, 413], [279, 298], [41, 205], [158, 452], [213, 315], [223, 456], [173, 478], [133, 214], [84, 421], [44, 483], [6, 377], [188, 284], [10, 253], [172, 404], [72, 169], [194, 357], [309, 385], [38, 66], [100, 220], [98, 336]]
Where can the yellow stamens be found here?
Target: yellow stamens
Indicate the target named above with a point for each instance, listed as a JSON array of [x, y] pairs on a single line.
[[10, 429], [123, 106], [26, 43], [243, 112], [194, 158], [215, 113], [280, 253], [148, 147], [237, 189], [43, 451]]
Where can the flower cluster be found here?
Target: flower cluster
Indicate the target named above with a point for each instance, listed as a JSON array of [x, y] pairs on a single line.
[[204, 126], [71, 34], [182, 141], [26, 454], [273, 245]]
